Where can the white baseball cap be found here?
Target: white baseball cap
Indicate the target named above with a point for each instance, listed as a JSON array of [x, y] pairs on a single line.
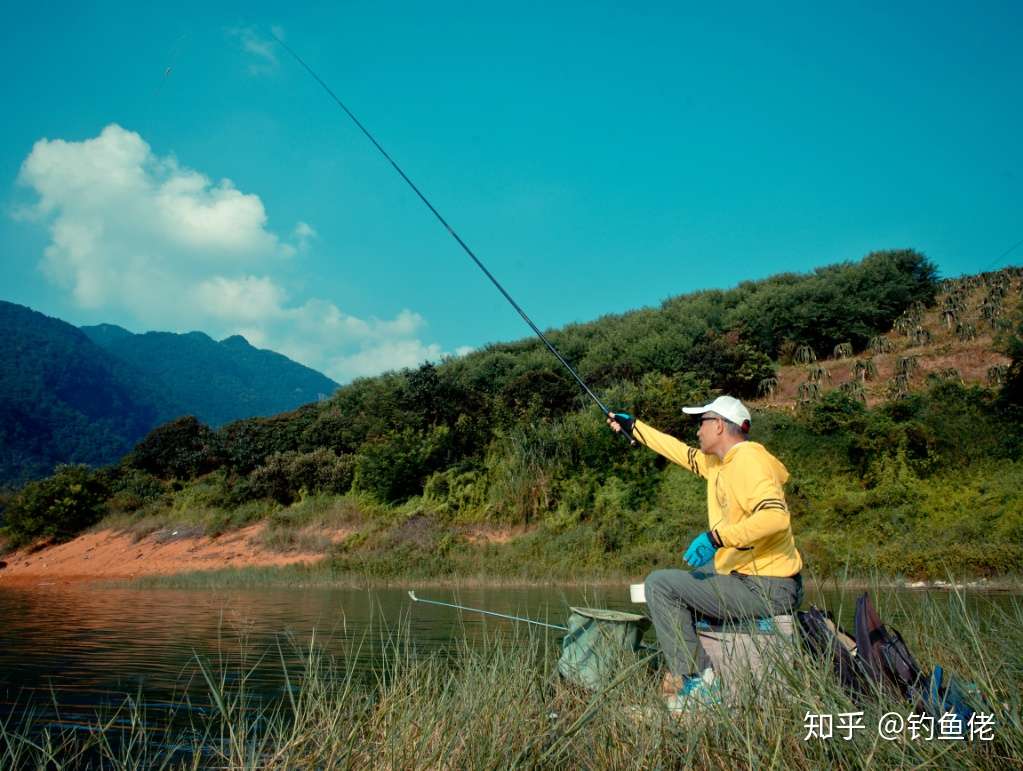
[[727, 407]]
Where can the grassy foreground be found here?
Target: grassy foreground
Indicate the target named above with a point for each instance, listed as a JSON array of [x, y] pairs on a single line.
[[500, 704]]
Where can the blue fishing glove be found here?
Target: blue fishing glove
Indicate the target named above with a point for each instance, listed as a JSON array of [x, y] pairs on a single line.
[[700, 551], [623, 419]]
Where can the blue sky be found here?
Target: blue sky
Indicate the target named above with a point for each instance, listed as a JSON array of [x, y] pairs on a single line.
[[171, 168]]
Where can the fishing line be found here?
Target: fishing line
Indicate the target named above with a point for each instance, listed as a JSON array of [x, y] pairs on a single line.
[[451, 230], [1003, 255], [414, 598]]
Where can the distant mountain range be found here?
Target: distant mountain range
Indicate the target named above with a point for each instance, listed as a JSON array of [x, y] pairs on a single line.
[[70, 395], [216, 382]]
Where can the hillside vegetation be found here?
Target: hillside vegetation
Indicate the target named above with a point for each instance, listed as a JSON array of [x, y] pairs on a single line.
[[87, 396], [907, 463], [63, 399]]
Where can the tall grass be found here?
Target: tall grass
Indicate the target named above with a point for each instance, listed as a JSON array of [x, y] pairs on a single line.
[[500, 704]]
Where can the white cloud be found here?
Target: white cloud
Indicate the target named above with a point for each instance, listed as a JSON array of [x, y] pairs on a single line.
[[135, 234], [262, 50], [120, 217], [303, 234], [218, 217], [248, 299], [387, 355]]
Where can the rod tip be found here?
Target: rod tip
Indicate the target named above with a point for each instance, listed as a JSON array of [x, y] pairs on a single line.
[[412, 594]]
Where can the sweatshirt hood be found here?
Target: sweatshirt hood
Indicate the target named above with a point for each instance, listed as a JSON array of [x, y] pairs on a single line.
[[761, 454]]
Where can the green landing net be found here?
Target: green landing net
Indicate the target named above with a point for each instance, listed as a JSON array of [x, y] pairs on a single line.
[[599, 644]]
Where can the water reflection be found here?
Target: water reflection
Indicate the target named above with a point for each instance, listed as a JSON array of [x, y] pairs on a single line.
[[82, 645], [64, 650]]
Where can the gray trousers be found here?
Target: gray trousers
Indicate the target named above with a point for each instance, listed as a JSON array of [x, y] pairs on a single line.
[[676, 598]]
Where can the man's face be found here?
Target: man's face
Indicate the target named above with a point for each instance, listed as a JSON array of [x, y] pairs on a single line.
[[709, 432]]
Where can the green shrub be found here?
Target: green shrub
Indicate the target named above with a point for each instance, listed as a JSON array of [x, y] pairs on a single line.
[[1009, 528], [321, 470], [273, 479], [537, 394], [684, 495], [247, 444], [365, 409], [57, 507], [952, 560], [181, 449], [837, 411], [417, 547], [567, 554], [522, 467], [203, 494], [395, 467], [734, 367], [218, 521], [286, 476], [660, 398], [837, 303], [613, 514], [459, 492], [132, 490], [1011, 392], [824, 554]]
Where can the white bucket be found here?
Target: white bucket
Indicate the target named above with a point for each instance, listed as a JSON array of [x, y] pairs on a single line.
[[637, 593]]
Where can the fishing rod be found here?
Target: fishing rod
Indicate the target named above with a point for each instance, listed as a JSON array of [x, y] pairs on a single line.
[[560, 628], [465, 247]]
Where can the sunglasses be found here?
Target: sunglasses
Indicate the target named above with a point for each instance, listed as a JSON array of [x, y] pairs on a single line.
[[701, 420]]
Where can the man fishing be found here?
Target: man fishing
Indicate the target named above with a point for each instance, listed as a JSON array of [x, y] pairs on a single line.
[[745, 565], [755, 567]]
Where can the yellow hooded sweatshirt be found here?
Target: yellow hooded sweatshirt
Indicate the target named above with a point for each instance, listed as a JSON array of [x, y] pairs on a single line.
[[745, 503]]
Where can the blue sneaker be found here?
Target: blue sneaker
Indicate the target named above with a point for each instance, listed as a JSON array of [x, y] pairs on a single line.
[[697, 690]]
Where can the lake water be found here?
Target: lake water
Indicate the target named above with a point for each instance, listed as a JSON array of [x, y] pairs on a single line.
[[67, 649]]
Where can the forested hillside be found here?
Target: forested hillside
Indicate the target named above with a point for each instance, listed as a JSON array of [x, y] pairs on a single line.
[[70, 395], [218, 381], [65, 400], [914, 473]]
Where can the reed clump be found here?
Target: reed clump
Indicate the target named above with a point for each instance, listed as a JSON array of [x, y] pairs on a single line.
[[498, 703]]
